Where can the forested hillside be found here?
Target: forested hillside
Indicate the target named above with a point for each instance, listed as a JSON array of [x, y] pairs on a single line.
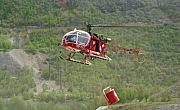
[[38, 26]]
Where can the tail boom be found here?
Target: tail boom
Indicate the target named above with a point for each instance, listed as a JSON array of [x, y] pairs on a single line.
[[121, 50]]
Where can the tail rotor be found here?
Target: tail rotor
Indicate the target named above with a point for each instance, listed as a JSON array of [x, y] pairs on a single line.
[[139, 57]]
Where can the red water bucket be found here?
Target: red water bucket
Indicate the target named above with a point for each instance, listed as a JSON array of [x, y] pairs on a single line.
[[111, 96]]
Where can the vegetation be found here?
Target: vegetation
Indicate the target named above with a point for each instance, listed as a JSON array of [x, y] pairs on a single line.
[[17, 85], [83, 85], [5, 43]]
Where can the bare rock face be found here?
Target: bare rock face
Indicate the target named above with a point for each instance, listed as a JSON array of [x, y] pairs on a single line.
[[18, 58], [8, 63]]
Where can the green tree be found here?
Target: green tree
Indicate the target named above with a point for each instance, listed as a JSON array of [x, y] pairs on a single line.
[[26, 95], [16, 103], [43, 97], [45, 87], [146, 96], [52, 96], [122, 97], [152, 99], [1, 104]]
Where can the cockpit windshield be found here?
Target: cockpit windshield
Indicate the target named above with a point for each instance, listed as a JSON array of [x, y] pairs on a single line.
[[78, 37]]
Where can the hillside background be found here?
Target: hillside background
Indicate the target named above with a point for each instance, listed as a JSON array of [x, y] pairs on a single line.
[[34, 28]]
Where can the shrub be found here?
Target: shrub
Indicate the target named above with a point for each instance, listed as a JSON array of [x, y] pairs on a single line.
[[152, 99], [35, 89], [45, 87], [26, 96], [31, 49]]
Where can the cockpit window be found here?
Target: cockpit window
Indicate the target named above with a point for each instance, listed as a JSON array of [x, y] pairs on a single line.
[[77, 37], [71, 38], [83, 38]]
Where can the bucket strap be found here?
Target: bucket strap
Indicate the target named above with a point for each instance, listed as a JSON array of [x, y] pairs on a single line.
[[105, 93]]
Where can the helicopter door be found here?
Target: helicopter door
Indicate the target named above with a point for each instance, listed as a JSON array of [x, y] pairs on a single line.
[[93, 45]]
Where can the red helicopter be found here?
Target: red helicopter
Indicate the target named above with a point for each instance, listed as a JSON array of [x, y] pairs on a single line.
[[93, 45]]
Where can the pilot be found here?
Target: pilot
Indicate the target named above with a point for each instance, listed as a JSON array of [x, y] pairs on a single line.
[[73, 39]]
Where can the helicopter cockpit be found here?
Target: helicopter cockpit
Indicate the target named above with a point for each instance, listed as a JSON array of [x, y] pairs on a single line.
[[78, 37]]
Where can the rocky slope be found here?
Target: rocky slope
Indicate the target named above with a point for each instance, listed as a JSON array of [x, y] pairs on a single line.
[[18, 58]]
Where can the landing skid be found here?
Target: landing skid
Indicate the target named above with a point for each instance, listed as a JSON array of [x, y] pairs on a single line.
[[103, 58], [78, 61], [86, 62]]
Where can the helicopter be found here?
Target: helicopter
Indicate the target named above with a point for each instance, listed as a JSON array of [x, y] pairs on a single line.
[[93, 45]]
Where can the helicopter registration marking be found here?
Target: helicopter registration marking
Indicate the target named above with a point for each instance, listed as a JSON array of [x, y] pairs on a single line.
[[72, 49], [80, 46]]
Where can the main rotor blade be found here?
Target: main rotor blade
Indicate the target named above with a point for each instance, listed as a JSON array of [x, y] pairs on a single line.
[[121, 26], [62, 2], [71, 11]]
